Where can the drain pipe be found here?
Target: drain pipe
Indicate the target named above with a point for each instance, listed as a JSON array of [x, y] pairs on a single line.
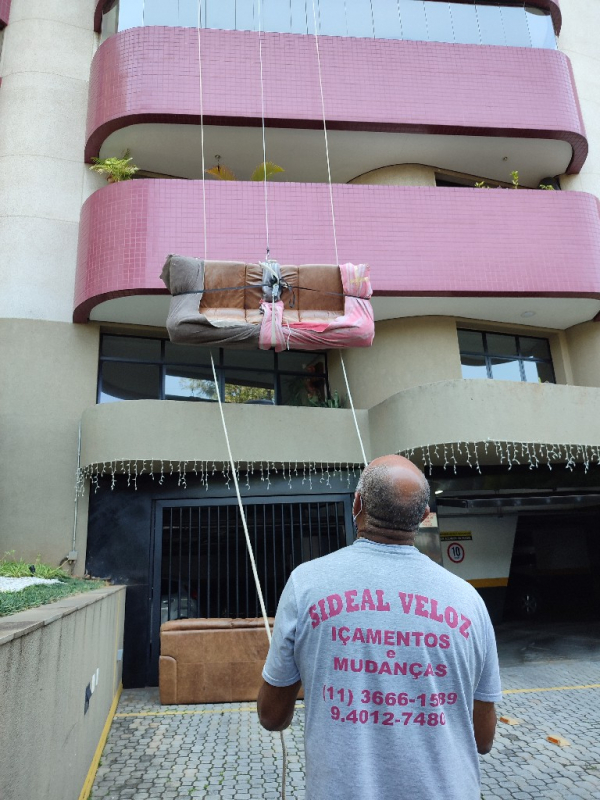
[[72, 557]]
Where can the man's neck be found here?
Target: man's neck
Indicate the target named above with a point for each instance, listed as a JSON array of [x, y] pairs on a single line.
[[402, 538]]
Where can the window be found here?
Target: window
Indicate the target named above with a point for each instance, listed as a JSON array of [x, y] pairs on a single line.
[[135, 368], [456, 22], [504, 357]]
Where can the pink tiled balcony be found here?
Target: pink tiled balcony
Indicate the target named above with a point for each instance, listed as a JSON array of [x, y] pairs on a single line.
[[426, 88], [4, 12], [420, 242]]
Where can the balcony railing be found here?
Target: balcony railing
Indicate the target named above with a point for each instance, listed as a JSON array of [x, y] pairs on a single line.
[[419, 20]]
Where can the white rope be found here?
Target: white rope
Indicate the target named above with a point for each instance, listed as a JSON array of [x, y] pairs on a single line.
[[335, 244], [261, 599], [262, 113], [202, 126], [362, 447]]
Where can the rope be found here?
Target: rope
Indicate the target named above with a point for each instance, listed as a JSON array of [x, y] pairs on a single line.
[[335, 244], [362, 447], [261, 599]]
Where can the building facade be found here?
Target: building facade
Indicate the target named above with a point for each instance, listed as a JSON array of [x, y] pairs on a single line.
[[460, 163]]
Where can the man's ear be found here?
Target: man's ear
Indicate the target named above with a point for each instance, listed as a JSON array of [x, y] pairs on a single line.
[[426, 513], [357, 505]]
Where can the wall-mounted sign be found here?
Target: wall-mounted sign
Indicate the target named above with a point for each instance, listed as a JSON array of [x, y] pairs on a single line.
[[430, 521], [456, 536], [456, 552]]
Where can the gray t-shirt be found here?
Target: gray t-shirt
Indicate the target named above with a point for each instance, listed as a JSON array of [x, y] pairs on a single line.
[[391, 649]]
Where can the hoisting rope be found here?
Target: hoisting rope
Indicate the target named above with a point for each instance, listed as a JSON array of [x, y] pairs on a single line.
[[261, 599]]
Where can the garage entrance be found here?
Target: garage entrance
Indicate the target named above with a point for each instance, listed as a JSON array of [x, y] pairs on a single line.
[[201, 563]]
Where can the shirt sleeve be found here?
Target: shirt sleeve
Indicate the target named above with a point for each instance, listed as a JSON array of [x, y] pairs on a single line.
[[281, 668], [489, 688]]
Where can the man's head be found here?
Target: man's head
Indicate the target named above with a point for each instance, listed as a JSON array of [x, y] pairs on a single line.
[[391, 500]]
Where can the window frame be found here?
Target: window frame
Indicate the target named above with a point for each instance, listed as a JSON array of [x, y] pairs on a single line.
[[221, 368], [488, 356]]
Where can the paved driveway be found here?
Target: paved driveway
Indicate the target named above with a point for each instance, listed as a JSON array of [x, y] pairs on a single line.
[[551, 678]]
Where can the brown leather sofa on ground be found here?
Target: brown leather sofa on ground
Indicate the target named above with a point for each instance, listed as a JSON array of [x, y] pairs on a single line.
[[211, 660]]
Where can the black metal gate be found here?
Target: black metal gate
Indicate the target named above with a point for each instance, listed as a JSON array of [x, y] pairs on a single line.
[[201, 562]]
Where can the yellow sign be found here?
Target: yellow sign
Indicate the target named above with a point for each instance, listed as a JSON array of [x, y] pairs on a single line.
[[456, 536]]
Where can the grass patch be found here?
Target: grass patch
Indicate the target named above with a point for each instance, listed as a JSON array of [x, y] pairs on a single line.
[[38, 594]]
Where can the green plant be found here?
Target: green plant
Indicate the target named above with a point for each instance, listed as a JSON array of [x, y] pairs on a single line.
[[263, 172], [115, 169], [10, 567], [335, 401], [547, 186]]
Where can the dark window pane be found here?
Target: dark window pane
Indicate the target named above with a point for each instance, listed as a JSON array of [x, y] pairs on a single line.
[[504, 370], [249, 387], [131, 347], [534, 348], [251, 359], [473, 367], [188, 354], [538, 372], [470, 341], [498, 344], [122, 381], [464, 24], [189, 383], [301, 362], [297, 390]]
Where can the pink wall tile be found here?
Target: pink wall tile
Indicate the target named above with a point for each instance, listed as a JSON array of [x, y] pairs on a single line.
[[418, 240], [4, 12], [152, 75]]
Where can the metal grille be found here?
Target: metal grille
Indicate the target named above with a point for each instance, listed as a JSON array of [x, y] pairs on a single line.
[[205, 568]]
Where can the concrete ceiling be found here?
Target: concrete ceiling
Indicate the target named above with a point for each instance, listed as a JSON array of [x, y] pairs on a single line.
[[554, 313], [176, 150]]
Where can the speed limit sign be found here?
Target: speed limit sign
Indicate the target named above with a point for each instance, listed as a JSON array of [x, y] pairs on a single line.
[[456, 552]]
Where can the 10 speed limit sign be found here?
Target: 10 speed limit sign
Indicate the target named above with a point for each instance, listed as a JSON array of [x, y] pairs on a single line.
[[456, 552]]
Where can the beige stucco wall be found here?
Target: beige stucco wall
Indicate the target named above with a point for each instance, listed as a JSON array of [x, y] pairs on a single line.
[[583, 343], [49, 374], [398, 175], [579, 40], [47, 743], [406, 352], [48, 49], [161, 429], [477, 410]]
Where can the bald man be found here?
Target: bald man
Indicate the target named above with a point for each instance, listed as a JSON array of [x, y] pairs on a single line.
[[397, 657]]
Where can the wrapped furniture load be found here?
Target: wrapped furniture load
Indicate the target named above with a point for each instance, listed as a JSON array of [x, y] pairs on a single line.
[[268, 306]]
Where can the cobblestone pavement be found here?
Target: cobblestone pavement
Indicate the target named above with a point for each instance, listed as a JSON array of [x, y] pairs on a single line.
[[220, 751]]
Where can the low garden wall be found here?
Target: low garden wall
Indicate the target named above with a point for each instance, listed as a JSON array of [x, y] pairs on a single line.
[[60, 678]]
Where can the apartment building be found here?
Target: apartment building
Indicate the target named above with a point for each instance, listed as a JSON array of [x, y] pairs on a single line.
[[460, 163]]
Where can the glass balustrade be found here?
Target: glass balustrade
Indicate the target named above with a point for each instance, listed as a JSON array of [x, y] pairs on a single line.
[[421, 20]]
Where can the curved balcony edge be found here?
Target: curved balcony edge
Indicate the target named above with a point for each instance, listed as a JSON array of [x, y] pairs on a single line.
[[478, 411], [132, 82], [4, 12], [164, 430], [419, 241]]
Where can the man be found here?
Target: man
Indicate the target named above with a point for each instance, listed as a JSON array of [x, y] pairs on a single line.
[[397, 657]]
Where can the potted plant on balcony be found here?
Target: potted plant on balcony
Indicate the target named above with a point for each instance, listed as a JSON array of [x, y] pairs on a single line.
[[115, 169], [262, 172]]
